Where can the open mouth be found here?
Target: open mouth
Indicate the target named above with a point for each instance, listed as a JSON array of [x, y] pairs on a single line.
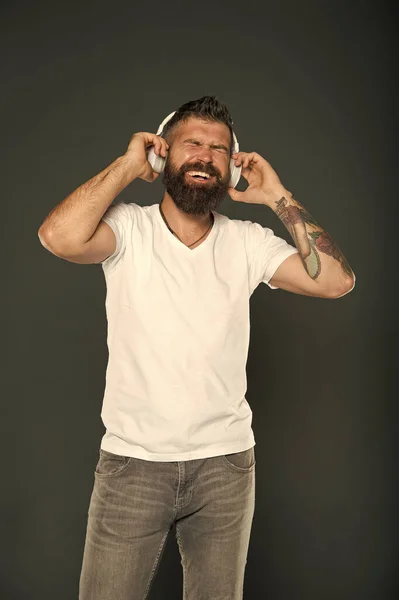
[[199, 177]]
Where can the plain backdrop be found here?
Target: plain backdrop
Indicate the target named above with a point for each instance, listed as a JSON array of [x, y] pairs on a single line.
[[310, 86]]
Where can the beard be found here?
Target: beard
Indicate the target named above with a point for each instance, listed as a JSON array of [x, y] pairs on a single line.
[[191, 197]]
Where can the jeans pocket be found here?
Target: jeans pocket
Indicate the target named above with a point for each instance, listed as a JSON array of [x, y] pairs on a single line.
[[110, 464], [240, 462]]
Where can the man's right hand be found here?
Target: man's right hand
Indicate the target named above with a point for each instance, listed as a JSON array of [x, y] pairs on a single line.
[[137, 153]]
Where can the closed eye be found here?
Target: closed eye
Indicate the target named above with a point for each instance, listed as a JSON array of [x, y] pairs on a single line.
[[220, 148], [196, 143]]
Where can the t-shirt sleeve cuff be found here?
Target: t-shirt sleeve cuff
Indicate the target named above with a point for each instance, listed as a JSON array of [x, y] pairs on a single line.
[[274, 265], [111, 222]]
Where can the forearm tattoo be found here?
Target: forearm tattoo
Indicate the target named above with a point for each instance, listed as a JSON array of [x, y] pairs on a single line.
[[309, 242]]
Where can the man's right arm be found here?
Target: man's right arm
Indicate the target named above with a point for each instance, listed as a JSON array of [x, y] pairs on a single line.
[[73, 230]]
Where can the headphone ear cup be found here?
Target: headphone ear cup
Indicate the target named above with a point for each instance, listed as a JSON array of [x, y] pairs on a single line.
[[235, 173], [157, 162]]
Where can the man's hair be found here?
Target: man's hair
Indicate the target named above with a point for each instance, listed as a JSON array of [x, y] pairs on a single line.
[[207, 108]]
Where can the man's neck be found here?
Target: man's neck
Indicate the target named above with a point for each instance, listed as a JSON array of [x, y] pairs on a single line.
[[184, 225]]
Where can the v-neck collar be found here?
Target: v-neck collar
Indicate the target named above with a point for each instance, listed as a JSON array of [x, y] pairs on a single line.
[[178, 243]]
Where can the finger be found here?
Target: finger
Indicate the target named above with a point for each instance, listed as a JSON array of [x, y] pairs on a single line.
[[150, 141], [157, 145], [248, 159], [245, 159], [165, 146], [239, 157], [161, 146], [245, 156], [242, 160], [235, 194]]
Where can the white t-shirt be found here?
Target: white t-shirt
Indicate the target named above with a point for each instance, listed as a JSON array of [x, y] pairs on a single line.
[[178, 334]]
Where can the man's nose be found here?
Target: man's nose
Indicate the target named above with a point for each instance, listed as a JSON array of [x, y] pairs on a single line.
[[205, 154]]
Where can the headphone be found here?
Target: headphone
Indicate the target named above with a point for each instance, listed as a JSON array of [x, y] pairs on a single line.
[[158, 162]]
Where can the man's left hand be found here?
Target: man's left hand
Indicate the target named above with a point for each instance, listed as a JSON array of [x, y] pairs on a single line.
[[264, 183]]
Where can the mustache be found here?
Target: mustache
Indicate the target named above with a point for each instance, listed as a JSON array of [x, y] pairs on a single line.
[[200, 167]]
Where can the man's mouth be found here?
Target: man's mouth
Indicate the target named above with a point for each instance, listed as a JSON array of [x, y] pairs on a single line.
[[199, 176]]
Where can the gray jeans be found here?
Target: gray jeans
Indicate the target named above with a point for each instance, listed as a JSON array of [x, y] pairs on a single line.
[[136, 502]]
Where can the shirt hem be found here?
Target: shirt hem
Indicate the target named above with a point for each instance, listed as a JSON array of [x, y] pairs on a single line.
[[211, 451]]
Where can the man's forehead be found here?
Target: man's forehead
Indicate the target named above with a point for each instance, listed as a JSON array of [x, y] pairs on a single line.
[[219, 132]]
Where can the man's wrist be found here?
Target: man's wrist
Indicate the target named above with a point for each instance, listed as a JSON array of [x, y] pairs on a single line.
[[273, 196]]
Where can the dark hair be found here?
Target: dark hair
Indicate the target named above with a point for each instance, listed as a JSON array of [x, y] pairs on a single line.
[[208, 108]]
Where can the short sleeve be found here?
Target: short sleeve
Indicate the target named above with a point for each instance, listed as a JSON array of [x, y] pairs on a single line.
[[119, 218], [266, 253]]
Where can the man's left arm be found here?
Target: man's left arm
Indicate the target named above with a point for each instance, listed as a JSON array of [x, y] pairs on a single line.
[[319, 269]]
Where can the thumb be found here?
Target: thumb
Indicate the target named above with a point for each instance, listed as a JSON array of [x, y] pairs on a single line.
[[235, 194]]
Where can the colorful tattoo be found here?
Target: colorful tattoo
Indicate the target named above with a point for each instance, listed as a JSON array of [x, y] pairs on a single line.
[[324, 242], [309, 243]]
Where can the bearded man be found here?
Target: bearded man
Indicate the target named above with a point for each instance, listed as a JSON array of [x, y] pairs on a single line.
[[178, 447]]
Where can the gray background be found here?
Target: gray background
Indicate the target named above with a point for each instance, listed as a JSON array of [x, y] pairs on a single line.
[[310, 87]]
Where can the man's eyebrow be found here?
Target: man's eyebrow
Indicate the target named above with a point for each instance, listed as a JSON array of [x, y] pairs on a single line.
[[192, 140]]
